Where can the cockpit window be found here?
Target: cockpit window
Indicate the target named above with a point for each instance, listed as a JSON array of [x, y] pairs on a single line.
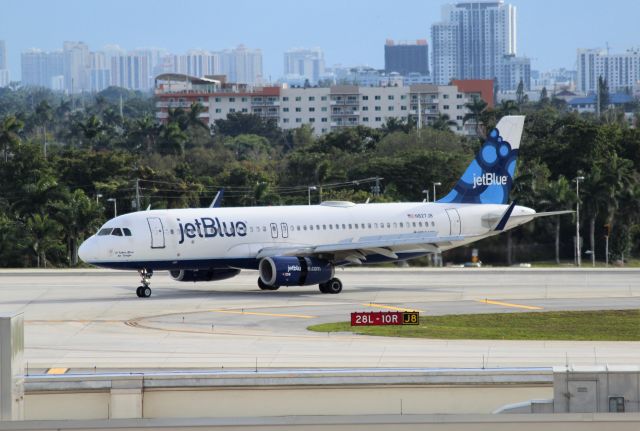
[[116, 232], [105, 231], [126, 231]]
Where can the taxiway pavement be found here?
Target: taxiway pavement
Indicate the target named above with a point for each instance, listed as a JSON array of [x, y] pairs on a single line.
[[92, 319]]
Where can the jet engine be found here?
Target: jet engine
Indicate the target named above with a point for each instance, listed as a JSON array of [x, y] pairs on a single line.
[[294, 271], [203, 274]]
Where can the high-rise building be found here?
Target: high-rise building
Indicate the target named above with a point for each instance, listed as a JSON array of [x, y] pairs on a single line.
[[242, 65], [132, 71], [307, 64], [3, 55], [405, 58], [77, 63], [4, 70], [477, 40], [41, 69], [196, 63], [621, 71]]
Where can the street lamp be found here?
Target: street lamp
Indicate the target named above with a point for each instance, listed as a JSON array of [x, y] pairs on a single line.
[[577, 180], [426, 193], [115, 206], [434, 189], [309, 191], [98, 196]]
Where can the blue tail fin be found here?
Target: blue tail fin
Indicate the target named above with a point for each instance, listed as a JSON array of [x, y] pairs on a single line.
[[489, 177]]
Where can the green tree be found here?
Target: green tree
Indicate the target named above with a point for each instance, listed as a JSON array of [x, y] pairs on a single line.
[[44, 235], [10, 127], [443, 123], [476, 107], [79, 215]]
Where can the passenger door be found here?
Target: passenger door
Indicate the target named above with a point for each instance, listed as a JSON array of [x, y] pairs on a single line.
[[455, 227], [157, 232]]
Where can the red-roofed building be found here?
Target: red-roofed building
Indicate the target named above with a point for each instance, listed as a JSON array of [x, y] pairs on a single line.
[[481, 87]]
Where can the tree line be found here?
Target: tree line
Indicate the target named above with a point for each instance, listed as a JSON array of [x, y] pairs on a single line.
[[65, 161]]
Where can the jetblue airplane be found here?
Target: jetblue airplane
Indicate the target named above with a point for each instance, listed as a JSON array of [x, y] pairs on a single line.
[[302, 245]]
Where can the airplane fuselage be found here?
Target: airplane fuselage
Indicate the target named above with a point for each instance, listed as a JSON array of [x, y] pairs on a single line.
[[203, 238]]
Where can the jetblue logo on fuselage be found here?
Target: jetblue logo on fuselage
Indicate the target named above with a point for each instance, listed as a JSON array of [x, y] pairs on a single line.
[[207, 227], [489, 179]]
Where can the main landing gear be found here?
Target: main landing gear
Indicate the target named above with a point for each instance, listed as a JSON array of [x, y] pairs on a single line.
[[332, 286], [144, 291]]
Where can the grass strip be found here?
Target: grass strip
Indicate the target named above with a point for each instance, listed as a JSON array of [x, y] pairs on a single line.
[[600, 325]]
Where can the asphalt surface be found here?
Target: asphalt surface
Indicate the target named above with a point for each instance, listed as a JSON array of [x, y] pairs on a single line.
[[92, 319]]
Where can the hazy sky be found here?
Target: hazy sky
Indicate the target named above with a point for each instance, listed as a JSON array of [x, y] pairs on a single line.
[[351, 32]]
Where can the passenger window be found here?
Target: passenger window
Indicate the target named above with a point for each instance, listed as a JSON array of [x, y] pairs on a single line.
[[330, 226], [433, 224], [264, 228], [344, 226], [388, 225], [251, 229], [116, 232], [350, 227], [324, 227], [414, 224], [106, 231], [420, 223], [317, 227], [355, 226], [297, 227], [375, 225], [310, 227], [127, 232], [369, 225], [401, 225], [304, 227]]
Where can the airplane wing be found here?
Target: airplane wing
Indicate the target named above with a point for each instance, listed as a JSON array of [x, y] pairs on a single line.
[[354, 250]]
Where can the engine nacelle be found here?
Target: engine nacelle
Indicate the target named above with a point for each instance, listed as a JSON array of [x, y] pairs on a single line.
[[294, 271], [203, 274]]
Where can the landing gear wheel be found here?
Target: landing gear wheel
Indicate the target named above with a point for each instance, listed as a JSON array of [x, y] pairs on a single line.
[[263, 286], [332, 286], [144, 291]]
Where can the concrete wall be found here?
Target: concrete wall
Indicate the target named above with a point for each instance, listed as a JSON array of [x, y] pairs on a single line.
[[278, 394]]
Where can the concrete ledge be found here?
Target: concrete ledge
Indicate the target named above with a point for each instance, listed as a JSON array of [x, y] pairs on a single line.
[[523, 422], [288, 378]]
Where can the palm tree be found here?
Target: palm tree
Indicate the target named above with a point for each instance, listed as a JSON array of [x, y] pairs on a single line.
[[91, 129], [475, 107], [44, 235], [172, 139], [558, 195], [443, 123], [79, 215], [10, 127], [507, 107], [195, 110]]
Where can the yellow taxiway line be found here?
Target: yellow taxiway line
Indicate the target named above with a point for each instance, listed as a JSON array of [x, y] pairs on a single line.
[[390, 307], [508, 304], [256, 313]]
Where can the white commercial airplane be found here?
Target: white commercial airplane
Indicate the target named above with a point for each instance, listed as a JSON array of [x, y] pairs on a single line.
[[302, 245]]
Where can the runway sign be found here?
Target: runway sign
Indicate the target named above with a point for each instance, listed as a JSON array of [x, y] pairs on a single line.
[[378, 318]]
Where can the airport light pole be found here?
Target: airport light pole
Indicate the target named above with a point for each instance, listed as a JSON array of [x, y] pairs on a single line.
[[98, 196], [434, 189], [577, 180], [309, 192], [426, 193], [115, 206]]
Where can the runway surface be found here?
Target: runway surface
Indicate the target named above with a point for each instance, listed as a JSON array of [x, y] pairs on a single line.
[[86, 319]]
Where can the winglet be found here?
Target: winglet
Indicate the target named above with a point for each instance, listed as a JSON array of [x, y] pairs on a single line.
[[505, 217], [217, 201]]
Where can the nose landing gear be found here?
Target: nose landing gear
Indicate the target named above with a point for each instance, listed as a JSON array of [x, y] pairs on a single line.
[[144, 291]]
